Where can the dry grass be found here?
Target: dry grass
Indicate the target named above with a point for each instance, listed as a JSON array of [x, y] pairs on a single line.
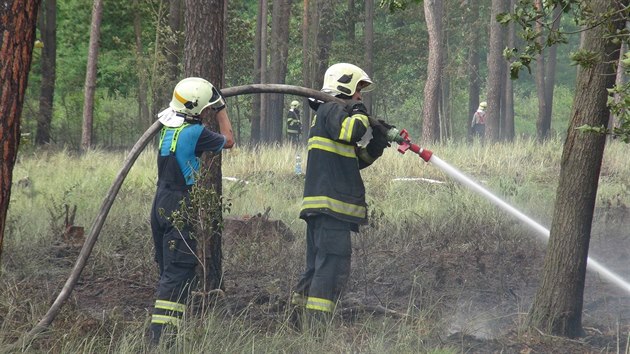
[[438, 255]]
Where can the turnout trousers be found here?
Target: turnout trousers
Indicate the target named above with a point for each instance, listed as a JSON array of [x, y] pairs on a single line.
[[176, 259], [328, 258]]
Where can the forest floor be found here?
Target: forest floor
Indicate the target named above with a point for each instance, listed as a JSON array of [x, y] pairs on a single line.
[[480, 298]]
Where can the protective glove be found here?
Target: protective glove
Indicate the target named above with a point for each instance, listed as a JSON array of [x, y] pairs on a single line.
[[314, 103], [377, 144], [356, 107], [386, 125], [217, 102]]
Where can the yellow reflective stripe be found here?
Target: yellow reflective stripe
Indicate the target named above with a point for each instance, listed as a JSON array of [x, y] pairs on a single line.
[[162, 133], [176, 136], [347, 126], [334, 205], [164, 319], [179, 98], [316, 303], [318, 142], [169, 305]]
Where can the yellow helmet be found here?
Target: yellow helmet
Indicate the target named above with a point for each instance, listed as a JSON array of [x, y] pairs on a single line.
[[295, 104], [192, 95], [483, 105], [343, 78]]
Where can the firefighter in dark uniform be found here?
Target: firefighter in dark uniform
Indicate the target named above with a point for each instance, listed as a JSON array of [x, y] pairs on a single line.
[[334, 194], [294, 124], [182, 141]]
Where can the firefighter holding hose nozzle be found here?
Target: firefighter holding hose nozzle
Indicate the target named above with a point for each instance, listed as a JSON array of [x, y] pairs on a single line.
[[334, 195]]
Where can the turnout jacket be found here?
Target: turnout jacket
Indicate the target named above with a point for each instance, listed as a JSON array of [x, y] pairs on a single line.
[[333, 183]]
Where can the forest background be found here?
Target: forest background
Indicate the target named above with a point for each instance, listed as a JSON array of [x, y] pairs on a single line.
[[139, 61], [331, 34]]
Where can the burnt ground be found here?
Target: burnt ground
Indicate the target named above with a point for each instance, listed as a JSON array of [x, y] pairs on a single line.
[[476, 297]]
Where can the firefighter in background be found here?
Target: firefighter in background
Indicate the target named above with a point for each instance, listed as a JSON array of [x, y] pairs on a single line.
[[334, 195], [182, 141], [478, 123], [294, 124]]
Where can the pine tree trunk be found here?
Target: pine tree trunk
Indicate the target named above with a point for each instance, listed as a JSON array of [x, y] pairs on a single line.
[[473, 62], [306, 63], [430, 111], [279, 59], [255, 132], [550, 70], [204, 57], [90, 76], [369, 49], [507, 131], [496, 72], [557, 307], [18, 20], [48, 60]]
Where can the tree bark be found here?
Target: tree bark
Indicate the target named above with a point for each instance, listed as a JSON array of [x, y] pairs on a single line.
[[507, 128], [326, 25], [255, 132], [351, 19], [430, 110], [143, 86], [90, 76], [557, 307], [279, 59], [369, 49], [264, 98], [18, 19], [306, 63], [204, 55], [473, 62], [48, 60], [496, 72], [550, 70], [542, 128]]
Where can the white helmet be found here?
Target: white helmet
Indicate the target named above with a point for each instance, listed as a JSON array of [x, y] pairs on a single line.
[[343, 78], [295, 104], [192, 95]]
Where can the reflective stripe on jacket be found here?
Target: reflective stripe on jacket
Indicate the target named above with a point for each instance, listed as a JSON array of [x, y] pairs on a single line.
[[333, 183]]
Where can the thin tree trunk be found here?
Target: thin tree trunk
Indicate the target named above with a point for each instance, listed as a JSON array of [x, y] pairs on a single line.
[[369, 48], [473, 63], [325, 30], [279, 58], [351, 20], [496, 73], [49, 59], [550, 71], [143, 104], [306, 62], [264, 98], [18, 19], [557, 307], [430, 110], [90, 76], [541, 124], [507, 131], [256, 124]]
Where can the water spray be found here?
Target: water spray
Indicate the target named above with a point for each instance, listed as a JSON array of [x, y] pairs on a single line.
[[405, 144]]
